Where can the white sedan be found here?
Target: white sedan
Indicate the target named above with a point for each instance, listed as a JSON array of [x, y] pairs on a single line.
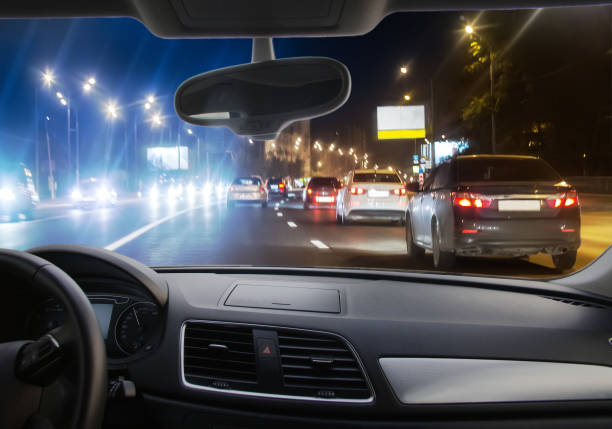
[[247, 189], [372, 194]]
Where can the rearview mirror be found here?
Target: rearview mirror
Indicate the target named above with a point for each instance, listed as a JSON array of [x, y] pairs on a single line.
[[260, 99]]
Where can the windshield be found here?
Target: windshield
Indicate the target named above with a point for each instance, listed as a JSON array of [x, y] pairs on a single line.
[[506, 170], [247, 181], [376, 178], [324, 181], [433, 97]]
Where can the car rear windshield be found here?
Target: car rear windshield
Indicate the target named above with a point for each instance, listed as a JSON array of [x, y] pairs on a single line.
[[246, 181], [505, 170], [331, 182], [275, 181], [376, 178]]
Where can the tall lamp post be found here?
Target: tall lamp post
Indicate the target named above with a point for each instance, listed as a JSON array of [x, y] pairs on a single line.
[[470, 31]]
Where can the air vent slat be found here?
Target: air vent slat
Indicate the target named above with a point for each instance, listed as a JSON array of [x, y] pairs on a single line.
[[316, 349], [320, 365], [219, 356]]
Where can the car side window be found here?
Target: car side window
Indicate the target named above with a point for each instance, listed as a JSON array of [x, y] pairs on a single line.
[[442, 176], [428, 182]]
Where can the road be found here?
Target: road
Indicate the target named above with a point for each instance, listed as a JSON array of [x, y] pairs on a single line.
[[284, 234]]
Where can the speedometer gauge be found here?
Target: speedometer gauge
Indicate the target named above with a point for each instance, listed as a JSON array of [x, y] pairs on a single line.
[[136, 326]]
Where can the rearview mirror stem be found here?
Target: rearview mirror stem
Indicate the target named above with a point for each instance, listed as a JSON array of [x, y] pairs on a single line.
[[263, 49]]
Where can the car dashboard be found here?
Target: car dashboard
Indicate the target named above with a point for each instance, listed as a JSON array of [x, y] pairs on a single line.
[[255, 347]]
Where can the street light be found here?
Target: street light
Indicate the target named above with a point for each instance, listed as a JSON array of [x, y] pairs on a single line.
[[48, 78], [59, 95], [151, 99], [111, 110], [250, 141], [63, 101], [407, 97], [404, 69], [319, 164], [156, 120], [191, 132], [470, 30], [91, 81]]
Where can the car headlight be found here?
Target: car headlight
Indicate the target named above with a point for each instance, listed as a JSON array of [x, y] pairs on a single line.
[[76, 194], [7, 194], [103, 194], [154, 193]]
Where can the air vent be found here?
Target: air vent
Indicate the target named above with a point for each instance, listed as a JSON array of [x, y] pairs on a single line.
[[219, 356], [320, 365], [574, 302]]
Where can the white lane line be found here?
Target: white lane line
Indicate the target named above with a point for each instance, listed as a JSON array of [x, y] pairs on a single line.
[[279, 214], [292, 224], [276, 207], [137, 233], [319, 244]]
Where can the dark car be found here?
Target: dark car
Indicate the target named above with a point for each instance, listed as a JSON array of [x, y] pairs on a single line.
[[277, 188], [17, 193], [321, 192], [494, 205]]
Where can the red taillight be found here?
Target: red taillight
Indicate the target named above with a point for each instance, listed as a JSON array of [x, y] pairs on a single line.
[[465, 200], [568, 200], [281, 186], [469, 231], [355, 190], [398, 192], [571, 199], [309, 191]]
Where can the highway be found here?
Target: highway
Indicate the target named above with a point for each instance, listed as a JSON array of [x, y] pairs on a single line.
[[206, 232]]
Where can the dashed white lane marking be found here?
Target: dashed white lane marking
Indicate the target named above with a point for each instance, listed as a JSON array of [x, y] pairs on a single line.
[[276, 207], [279, 214], [292, 224], [319, 244], [137, 233]]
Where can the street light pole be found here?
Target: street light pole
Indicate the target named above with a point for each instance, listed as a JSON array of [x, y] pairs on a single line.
[[491, 79]]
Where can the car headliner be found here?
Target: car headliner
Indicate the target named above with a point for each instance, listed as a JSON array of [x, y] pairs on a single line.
[[258, 18]]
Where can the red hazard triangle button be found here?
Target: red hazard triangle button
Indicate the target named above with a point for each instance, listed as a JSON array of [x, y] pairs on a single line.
[[266, 351]]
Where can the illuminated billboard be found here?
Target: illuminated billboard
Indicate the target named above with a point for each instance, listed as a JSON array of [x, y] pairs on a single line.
[[400, 122], [168, 158]]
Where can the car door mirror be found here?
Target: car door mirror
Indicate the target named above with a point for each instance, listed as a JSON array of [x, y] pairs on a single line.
[[260, 99]]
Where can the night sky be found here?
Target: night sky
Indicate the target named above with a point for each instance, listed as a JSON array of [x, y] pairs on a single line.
[[129, 63]]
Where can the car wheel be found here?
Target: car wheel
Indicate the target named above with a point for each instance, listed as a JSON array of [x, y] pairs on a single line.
[[442, 260], [565, 261], [412, 250]]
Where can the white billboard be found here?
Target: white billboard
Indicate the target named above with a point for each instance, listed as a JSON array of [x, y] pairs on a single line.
[[400, 122], [168, 158]]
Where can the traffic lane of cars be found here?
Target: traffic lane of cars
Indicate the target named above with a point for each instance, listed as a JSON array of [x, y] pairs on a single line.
[[383, 245]]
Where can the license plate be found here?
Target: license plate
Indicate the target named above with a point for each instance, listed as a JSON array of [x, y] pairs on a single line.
[[518, 205], [245, 196], [274, 187], [326, 199], [375, 193]]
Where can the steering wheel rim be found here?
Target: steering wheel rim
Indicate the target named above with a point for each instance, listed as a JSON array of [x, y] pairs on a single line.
[[89, 349]]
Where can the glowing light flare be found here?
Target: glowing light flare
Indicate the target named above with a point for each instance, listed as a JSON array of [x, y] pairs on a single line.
[[469, 29]]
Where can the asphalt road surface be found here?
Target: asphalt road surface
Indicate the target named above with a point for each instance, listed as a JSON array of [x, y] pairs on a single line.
[[284, 234]]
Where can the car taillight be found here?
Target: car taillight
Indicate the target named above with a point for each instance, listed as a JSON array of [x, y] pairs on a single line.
[[571, 199], [281, 186], [309, 190], [398, 191], [568, 200], [355, 190], [466, 200], [261, 190]]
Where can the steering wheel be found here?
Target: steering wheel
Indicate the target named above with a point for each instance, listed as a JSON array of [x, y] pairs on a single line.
[[34, 391]]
